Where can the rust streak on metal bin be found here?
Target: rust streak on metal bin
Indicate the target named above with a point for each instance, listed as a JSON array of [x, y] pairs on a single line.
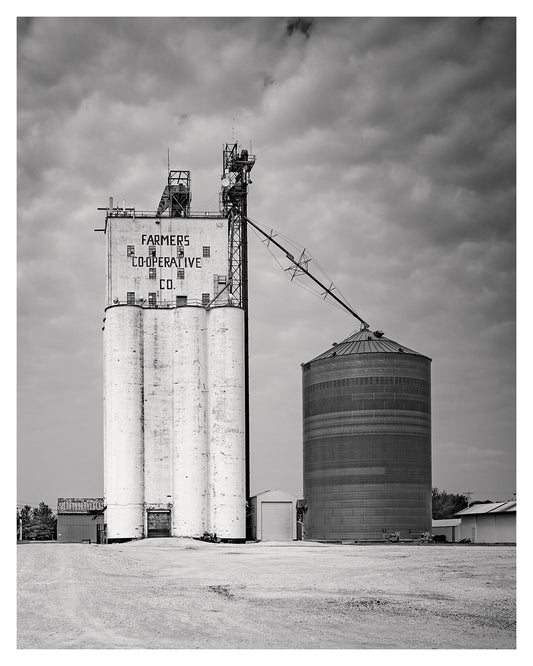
[[367, 440]]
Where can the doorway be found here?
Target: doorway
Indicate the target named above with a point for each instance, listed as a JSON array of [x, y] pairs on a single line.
[[158, 524]]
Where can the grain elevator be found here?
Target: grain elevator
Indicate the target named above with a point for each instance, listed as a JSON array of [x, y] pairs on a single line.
[[176, 363]]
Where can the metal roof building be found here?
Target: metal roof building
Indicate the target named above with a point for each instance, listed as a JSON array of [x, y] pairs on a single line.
[[448, 528], [80, 520], [273, 516], [489, 523], [494, 507]]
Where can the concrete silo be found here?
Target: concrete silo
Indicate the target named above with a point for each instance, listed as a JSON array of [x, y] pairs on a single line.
[[367, 440], [175, 364]]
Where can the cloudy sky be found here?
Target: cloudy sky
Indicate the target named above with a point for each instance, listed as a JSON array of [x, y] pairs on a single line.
[[384, 146]]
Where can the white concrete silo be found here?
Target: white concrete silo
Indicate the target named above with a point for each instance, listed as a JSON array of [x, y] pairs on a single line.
[[124, 418], [158, 432], [189, 409], [225, 363]]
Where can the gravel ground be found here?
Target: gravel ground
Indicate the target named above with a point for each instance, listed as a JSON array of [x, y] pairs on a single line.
[[181, 593]]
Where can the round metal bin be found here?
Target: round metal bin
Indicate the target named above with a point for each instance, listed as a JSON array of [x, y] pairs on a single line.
[[367, 441]]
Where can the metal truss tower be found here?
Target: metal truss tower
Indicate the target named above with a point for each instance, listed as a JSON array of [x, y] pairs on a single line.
[[176, 196], [236, 168]]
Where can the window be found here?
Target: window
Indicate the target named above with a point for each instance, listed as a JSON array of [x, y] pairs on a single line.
[[205, 299], [181, 300], [152, 298], [181, 251], [221, 279], [206, 251], [151, 250], [152, 273], [130, 298], [181, 274], [131, 250]]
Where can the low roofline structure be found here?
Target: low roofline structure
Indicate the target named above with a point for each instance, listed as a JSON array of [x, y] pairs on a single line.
[[493, 507]]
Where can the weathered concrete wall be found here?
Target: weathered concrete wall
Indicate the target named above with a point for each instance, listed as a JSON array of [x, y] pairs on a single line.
[[124, 422], [174, 419], [225, 367], [174, 380], [189, 406], [158, 432], [129, 270]]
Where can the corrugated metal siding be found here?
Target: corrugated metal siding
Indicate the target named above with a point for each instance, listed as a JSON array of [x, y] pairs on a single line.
[[253, 517], [453, 522], [494, 507], [508, 507], [496, 528], [75, 528], [365, 342], [276, 521], [81, 504], [489, 528], [367, 446]]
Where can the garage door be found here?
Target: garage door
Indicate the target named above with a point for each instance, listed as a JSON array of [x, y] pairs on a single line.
[[276, 521], [158, 524]]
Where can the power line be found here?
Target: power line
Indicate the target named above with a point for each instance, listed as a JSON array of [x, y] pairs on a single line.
[[33, 505]]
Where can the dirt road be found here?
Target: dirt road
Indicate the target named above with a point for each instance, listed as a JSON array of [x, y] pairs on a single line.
[[180, 593]]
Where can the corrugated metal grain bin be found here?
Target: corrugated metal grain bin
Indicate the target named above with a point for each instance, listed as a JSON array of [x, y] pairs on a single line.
[[367, 440]]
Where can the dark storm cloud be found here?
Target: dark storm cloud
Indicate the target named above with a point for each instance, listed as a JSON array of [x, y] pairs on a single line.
[[386, 146], [300, 25]]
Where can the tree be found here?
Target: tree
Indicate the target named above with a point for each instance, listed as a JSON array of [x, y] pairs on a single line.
[[43, 523], [25, 514], [38, 524], [446, 505]]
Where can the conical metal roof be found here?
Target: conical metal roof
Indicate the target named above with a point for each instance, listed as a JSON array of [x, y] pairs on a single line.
[[366, 342]]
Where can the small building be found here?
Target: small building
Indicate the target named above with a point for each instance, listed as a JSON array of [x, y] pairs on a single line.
[[273, 516], [489, 523], [450, 529], [80, 520]]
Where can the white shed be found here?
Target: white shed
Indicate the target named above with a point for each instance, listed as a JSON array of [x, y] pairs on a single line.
[[450, 529], [273, 516], [489, 523]]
